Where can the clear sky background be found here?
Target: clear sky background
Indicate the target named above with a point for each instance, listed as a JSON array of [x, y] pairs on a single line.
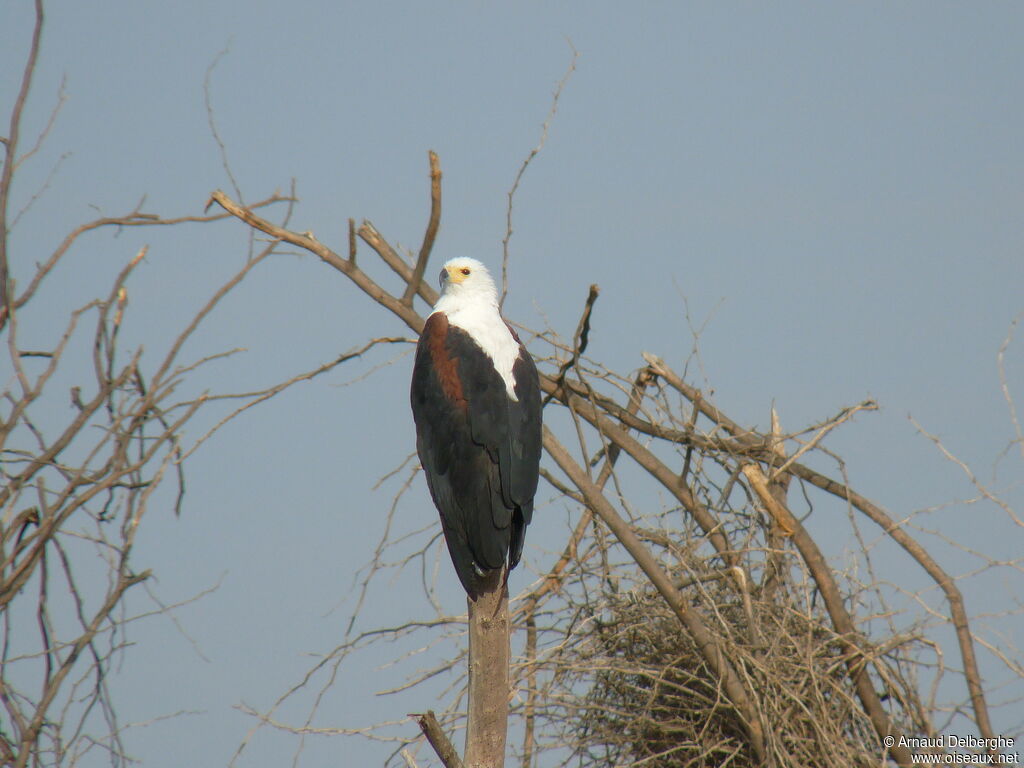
[[834, 188]]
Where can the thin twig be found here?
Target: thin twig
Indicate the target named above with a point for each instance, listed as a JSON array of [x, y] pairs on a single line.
[[845, 415], [1004, 387], [212, 122], [526, 164]]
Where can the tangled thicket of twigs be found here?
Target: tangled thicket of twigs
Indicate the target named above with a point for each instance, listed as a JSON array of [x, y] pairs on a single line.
[[651, 698], [629, 688], [92, 439], [90, 433], [609, 674]]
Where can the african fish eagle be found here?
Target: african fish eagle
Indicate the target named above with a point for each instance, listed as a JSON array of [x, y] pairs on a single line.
[[476, 403]]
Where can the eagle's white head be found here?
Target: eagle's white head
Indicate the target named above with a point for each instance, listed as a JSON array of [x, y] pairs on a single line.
[[466, 280]]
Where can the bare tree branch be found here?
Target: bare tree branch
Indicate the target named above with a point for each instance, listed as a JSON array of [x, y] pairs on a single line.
[[10, 161], [345, 266], [436, 736], [430, 234]]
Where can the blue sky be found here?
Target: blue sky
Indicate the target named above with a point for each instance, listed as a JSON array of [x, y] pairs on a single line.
[[834, 188]]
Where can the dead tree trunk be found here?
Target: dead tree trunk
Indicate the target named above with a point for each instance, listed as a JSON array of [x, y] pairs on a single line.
[[488, 675]]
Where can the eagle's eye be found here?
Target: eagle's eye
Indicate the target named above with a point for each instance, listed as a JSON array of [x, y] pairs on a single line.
[[465, 271]]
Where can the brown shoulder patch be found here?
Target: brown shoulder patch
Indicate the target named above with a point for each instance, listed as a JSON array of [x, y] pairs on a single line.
[[446, 367]]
